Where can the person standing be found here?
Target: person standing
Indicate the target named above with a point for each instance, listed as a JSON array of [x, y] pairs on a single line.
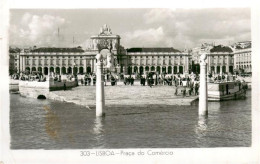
[[64, 87], [196, 89], [176, 91], [132, 81], [150, 81], [94, 80]]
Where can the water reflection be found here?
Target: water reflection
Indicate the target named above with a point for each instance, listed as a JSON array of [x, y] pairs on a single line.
[[202, 123], [201, 127], [62, 125], [52, 124], [98, 130]]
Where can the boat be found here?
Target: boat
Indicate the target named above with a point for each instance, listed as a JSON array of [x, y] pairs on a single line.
[[221, 91]]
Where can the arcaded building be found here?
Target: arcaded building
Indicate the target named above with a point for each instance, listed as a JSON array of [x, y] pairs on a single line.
[[242, 56], [70, 60], [161, 60], [221, 59], [78, 61]]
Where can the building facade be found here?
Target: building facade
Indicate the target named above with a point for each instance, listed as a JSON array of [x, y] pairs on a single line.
[[70, 60], [221, 59], [220, 62], [242, 56], [161, 60]]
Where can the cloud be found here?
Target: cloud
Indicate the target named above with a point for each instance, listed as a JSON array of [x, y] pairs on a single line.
[[148, 37], [36, 30], [178, 28], [195, 25], [158, 15], [26, 18]]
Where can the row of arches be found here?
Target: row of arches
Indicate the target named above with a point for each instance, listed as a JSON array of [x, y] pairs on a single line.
[[169, 69], [59, 70], [219, 69], [245, 66]]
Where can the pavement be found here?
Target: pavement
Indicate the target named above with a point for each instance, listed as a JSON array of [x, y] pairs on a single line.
[[122, 95]]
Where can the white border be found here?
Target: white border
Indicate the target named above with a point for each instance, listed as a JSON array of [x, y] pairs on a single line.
[[194, 155]]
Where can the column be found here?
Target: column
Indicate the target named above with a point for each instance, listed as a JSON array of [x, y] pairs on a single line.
[[203, 92], [84, 65], [221, 69], [161, 69], [227, 67], [20, 63], [100, 97], [93, 65], [216, 69], [187, 64], [236, 61], [124, 70], [209, 64], [24, 63], [178, 68]]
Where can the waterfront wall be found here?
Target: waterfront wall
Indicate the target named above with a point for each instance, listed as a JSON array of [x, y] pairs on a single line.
[[34, 89], [14, 85]]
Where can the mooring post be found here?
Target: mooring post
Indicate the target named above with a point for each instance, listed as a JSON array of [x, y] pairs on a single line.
[[203, 90], [100, 97]]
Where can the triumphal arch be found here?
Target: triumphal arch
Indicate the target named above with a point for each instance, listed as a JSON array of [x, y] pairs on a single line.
[[108, 45]]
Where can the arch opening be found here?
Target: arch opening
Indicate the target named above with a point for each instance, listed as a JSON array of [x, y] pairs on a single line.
[[41, 97]]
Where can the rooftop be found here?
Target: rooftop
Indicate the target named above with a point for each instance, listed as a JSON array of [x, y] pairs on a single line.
[[221, 48], [54, 49], [153, 49]]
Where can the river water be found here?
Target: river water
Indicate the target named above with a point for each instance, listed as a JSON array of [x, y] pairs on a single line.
[[48, 124]]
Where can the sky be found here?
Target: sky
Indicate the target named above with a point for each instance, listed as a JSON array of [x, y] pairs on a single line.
[[162, 27]]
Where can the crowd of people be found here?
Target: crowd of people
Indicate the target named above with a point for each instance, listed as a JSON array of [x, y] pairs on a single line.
[[185, 84]]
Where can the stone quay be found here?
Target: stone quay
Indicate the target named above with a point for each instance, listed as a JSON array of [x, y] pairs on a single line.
[[122, 95]]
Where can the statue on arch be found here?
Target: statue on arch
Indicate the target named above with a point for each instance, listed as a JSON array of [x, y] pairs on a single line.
[[105, 30]]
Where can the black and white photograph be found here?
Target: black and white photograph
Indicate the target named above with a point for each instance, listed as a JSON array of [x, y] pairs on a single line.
[[121, 79]]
